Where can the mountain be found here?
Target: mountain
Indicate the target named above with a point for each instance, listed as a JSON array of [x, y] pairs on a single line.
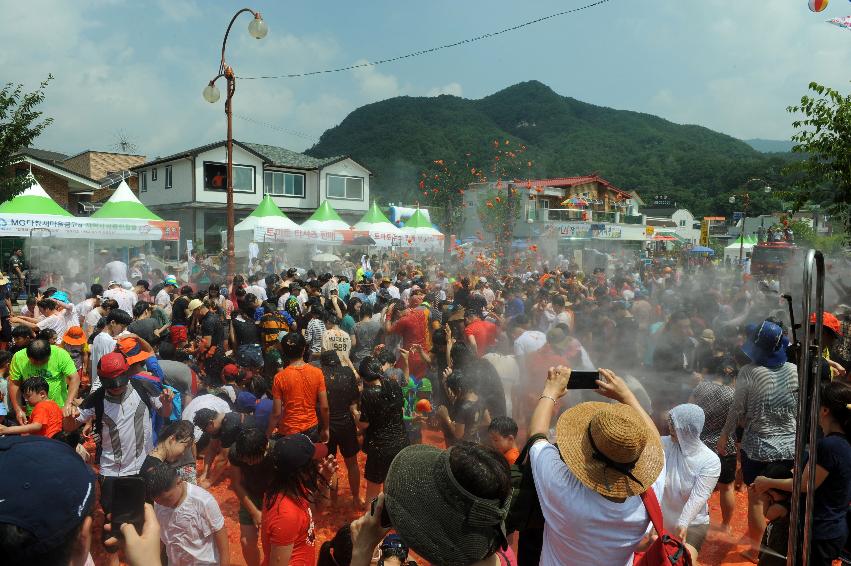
[[398, 137], [771, 146]]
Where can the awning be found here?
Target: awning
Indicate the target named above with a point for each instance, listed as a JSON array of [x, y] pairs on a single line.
[[664, 238]]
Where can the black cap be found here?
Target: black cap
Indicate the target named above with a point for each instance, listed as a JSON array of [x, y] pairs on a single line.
[[46, 490], [294, 451]]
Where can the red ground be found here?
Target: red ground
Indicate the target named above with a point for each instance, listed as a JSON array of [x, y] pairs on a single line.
[[718, 548]]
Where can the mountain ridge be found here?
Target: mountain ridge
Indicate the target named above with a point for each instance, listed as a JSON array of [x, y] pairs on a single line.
[[396, 138]]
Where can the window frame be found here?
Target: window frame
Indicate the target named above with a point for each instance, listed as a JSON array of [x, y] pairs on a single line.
[[345, 178], [168, 182], [154, 174], [224, 189], [143, 181], [294, 174]]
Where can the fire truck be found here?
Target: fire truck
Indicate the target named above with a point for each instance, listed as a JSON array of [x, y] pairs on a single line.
[[769, 260]]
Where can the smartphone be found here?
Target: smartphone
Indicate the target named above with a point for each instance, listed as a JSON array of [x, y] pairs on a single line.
[[583, 379], [385, 517], [128, 503]]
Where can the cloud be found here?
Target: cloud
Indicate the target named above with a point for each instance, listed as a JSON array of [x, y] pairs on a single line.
[[452, 88], [375, 85], [179, 10]]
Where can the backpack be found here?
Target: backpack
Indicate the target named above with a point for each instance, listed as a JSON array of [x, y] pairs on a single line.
[[525, 509], [666, 550], [271, 325]]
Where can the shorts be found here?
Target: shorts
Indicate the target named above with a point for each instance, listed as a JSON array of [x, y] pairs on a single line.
[[378, 462], [244, 515], [249, 356], [728, 469], [344, 437], [696, 534], [753, 468], [178, 334]]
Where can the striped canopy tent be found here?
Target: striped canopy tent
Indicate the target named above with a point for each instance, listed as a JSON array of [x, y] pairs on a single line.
[[33, 201], [419, 233], [124, 204], [380, 229], [325, 219], [266, 215]]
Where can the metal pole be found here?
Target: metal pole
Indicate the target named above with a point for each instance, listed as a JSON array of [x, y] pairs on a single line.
[[746, 201], [231, 85]]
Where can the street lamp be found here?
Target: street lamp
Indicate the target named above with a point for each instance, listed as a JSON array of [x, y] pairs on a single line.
[[746, 202], [258, 30]]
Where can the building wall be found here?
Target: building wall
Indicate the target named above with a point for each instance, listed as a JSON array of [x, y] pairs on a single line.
[[98, 164], [57, 188], [348, 168], [156, 193]]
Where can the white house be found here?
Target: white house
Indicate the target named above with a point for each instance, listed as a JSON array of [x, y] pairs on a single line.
[[190, 186]]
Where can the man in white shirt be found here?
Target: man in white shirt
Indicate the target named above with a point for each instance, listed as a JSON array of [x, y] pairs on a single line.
[[115, 270], [256, 289], [526, 341], [589, 486], [57, 315], [123, 295], [163, 298], [104, 343], [192, 527]]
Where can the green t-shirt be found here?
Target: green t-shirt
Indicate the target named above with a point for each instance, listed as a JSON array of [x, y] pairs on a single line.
[[58, 367]]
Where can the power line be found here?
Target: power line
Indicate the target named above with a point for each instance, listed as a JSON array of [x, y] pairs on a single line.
[[278, 128], [431, 49]]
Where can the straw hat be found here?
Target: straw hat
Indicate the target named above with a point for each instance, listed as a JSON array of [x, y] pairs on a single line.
[[3, 279], [609, 448]]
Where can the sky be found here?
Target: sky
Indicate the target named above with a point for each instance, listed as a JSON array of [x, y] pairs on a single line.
[[135, 70]]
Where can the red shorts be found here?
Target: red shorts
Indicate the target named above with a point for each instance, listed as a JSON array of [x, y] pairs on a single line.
[[178, 334]]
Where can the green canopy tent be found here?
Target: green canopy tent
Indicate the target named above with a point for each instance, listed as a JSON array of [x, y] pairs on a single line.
[[419, 233], [381, 230], [124, 204], [325, 219], [33, 201]]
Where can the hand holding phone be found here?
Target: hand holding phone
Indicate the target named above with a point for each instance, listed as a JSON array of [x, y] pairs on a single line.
[[385, 517], [583, 379], [128, 504]]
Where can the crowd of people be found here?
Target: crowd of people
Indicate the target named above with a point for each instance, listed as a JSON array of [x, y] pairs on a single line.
[[438, 388]]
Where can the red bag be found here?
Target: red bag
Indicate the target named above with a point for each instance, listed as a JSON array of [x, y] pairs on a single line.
[[666, 550]]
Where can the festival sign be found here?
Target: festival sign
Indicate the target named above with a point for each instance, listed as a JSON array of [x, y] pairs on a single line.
[[339, 237], [21, 225]]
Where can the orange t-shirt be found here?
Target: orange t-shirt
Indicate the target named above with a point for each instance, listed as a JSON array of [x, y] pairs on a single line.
[[49, 414], [512, 456], [298, 390]]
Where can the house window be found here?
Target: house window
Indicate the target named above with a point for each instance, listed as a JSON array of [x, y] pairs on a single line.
[[682, 223], [280, 184], [154, 174], [143, 182], [216, 177], [543, 203], [167, 176], [350, 188]]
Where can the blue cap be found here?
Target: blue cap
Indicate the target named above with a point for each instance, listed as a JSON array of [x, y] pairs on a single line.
[[766, 345], [60, 296], [246, 402], [46, 490]]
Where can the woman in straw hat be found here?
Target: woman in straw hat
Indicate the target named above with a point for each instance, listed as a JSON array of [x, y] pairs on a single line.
[[588, 486]]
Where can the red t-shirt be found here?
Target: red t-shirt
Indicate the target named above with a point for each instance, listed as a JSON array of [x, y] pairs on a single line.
[[485, 334], [49, 414], [287, 522], [413, 328], [298, 390]]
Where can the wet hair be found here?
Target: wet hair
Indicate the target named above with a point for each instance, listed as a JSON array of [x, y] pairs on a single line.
[[143, 284], [180, 430], [159, 479], [835, 397], [140, 308], [22, 331], [109, 304], [300, 484], [35, 384], [47, 305], [119, 316], [47, 334], [38, 350], [204, 417], [480, 470], [96, 290], [385, 356], [167, 351], [250, 443], [293, 345], [186, 291], [460, 381], [370, 369], [461, 355], [503, 426], [5, 357], [329, 358]]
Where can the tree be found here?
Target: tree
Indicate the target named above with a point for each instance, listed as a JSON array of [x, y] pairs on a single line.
[[20, 123], [824, 137]]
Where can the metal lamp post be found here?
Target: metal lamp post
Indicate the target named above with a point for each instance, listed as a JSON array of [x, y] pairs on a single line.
[[746, 202], [258, 30]]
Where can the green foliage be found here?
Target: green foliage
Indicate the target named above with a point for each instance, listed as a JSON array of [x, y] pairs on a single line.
[[824, 136], [805, 236], [699, 168], [20, 123]]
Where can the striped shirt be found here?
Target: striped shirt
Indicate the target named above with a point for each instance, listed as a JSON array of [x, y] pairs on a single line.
[[766, 405], [716, 400]]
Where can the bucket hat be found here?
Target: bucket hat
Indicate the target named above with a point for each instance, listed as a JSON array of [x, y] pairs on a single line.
[[609, 448], [766, 345], [435, 516], [74, 336], [132, 350], [829, 322]]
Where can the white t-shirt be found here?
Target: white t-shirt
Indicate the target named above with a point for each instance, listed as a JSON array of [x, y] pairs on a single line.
[[84, 308], [257, 291], [92, 319], [60, 321], [528, 342], [582, 526], [163, 300], [125, 299], [116, 271], [123, 449], [188, 530], [205, 401], [102, 345]]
